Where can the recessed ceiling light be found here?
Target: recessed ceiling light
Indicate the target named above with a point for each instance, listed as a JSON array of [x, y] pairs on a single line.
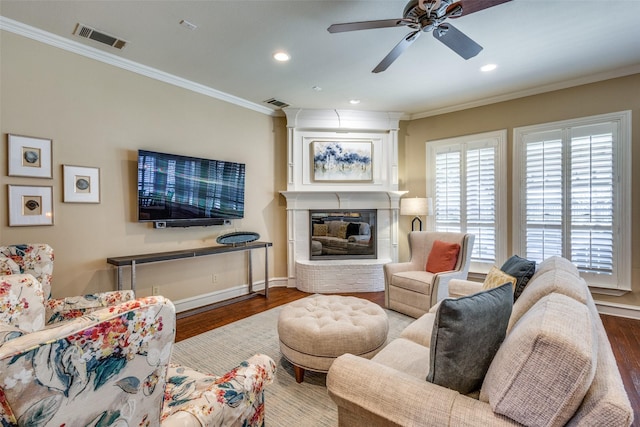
[[488, 67], [317, 88], [354, 101], [281, 56]]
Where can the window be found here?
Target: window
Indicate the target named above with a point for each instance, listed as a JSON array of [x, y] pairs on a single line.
[[468, 185], [572, 195]]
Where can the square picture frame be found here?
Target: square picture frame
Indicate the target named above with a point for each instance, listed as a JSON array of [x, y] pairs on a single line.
[[342, 161], [81, 184], [30, 205], [29, 156]]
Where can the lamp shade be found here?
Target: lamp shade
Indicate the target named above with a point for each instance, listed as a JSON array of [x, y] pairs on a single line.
[[416, 206]]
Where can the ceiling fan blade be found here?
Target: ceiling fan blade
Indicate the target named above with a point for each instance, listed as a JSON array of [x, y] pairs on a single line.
[[457, 41], [471, 6], [396, 51], [368, 25]]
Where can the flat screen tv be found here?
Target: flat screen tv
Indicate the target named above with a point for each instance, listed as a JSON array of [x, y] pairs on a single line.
[[180, 191]]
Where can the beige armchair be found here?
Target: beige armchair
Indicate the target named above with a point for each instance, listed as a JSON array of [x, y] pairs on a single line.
[[412, 290]]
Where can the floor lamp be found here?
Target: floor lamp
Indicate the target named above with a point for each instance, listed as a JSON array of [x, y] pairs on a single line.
[[416, 207]]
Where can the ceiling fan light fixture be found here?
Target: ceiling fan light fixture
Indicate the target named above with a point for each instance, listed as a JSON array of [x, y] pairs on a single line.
[[488, 67], [281, 56]]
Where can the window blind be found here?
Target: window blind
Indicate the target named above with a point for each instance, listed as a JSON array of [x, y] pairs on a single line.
[[481, 201], [569, 197], [465, 195]]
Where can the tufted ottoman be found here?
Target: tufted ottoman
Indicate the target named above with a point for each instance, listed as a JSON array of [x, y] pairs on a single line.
[[315, 330]]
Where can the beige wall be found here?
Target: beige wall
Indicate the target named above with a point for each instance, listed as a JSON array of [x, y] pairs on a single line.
[[598, 98], [99, 115]]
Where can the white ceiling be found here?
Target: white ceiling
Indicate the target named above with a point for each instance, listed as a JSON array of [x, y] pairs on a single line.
[[538, 45]]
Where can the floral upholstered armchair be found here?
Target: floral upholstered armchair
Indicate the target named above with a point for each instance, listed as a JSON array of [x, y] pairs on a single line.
[[110, 366], [37, 259]]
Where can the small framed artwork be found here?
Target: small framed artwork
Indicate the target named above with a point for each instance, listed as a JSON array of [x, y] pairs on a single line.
[[81, 184], [342, 161], [30, 205], [29, 156]]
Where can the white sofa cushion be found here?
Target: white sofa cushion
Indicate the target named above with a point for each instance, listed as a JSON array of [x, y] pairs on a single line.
[[553, 281], [546, 364], [556, 263], [405, 356]]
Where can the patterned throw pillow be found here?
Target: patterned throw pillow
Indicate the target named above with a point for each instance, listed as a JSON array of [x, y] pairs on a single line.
[[466, 335], [497, 277], [320, 229], [443, 257], [342, 231]]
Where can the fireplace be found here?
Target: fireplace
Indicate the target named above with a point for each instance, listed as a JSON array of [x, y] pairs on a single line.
[[353, 261], [342, 234]]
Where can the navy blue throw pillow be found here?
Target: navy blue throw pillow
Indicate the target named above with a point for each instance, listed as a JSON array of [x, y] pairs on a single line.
[[520, 268], [353, 229]]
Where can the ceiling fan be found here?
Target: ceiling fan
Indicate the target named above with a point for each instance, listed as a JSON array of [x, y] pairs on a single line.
[[424, 16]]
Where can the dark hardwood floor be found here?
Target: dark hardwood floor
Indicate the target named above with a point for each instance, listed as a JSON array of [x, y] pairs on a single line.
[[624, 334]]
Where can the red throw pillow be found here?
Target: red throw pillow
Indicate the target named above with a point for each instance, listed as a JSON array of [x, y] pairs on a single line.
[[443, 256]]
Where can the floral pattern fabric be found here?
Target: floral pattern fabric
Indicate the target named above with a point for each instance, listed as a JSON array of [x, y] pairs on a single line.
[[62, 309], [35, 259], [8, 266], [21, 302], [105, 368], [103, 359], [109, 368], [234, 399]]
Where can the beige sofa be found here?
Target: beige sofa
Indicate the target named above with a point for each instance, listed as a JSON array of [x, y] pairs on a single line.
[[555, 367], [341, 237]]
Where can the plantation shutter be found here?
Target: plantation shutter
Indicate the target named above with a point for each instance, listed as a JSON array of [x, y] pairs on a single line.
[[481, 202], [569, 196], [448, 200], [465, 194], [543, 188], [592, 198]]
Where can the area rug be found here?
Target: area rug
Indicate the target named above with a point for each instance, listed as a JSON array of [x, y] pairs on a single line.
[[287, 402]]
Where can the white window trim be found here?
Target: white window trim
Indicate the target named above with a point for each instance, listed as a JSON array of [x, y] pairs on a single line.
[[622, 247], [500, 137]]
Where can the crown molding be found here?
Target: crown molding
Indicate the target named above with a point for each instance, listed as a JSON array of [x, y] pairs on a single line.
[[50, 39], [594, 78]]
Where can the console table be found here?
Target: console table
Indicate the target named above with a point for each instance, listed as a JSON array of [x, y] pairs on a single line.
[[134, 260]]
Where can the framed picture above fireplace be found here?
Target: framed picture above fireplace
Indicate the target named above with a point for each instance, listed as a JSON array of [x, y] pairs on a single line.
[[342, 161], [342, 234]]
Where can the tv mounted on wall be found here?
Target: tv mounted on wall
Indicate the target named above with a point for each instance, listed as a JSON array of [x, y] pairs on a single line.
[[182, 191]]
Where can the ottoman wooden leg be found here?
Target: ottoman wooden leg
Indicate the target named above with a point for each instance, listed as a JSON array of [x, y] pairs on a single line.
[[299, 373]]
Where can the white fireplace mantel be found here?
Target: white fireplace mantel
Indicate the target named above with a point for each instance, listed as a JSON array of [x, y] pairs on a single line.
[[304, 194]]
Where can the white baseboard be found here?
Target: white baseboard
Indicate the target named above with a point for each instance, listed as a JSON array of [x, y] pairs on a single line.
[[620, 310], [225, 294]]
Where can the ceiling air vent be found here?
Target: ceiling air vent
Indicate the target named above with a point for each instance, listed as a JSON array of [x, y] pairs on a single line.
[[276, 103], [93, 34]]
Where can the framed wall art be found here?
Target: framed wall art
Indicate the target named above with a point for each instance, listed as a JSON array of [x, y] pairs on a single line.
[[81, 184], [342, 161], [30, 205], [29, 156]]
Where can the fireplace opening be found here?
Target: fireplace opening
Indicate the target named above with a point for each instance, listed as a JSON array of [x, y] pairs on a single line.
[[342, 234]]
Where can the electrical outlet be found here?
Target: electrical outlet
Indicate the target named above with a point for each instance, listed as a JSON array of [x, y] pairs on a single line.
[[155, 290], [214, 278]]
